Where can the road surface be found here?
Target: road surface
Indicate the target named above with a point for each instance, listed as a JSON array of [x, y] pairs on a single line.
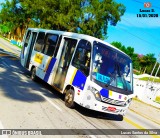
[[25, 104]]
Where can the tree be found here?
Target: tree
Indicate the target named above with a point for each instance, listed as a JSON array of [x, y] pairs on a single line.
[[97, 14], [140, 62], [13, 16], [128, 50], [5, 28], [149, 61], [146, 62], [82, 16]]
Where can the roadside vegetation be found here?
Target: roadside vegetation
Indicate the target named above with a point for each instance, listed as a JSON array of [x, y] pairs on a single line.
[[141, 63], [151, 79], [157, 99], [80, 16]]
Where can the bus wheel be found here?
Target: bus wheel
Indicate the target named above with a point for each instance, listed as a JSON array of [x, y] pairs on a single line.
[[33, 75], [120, 117], [69, 98]]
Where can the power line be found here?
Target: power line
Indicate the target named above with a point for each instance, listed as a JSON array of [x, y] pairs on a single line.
[[137, 36], [142, 30], [146, 41]]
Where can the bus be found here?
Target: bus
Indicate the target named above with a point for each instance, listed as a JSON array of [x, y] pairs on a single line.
[[89, 71]]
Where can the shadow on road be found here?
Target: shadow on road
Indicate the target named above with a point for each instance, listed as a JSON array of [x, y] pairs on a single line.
[[9, 54], [15, 82]]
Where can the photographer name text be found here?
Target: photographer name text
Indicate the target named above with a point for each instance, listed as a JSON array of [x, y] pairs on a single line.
[[139, 132]]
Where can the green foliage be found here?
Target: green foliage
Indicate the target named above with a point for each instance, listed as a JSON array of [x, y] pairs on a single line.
[[136, 72], [129, 51], [83, 16], [151, 79], [157, 99], [14, 17], [143, 63], [147, 62], [4, 28], [97, 14]]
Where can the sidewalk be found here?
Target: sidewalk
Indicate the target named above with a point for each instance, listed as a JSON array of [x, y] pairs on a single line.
[[145, 110], [12, 47]]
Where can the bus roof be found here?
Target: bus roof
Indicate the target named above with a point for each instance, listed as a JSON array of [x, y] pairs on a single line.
[[76, 35]]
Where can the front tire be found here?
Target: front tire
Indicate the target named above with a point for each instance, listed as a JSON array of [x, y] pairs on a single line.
[[69, 98], [120, 117]]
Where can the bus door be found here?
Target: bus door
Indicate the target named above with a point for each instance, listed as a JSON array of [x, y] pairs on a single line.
[[69, 45], [27, 48]]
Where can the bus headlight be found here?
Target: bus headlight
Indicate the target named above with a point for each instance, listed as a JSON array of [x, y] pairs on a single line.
[[95, 92], [129, 101]]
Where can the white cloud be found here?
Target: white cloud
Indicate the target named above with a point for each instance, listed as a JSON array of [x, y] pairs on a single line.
[[141, 22]]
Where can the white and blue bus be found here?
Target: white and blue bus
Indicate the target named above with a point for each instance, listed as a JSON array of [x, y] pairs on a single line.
[[89, 71]]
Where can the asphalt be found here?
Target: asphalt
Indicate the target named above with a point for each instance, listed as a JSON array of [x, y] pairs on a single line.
[[148, 111]]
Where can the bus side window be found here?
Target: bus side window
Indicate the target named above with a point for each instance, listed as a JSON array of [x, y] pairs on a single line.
[[27, 38], [68, 49], [57, 46], [50, 44], [82, 57], [40, 42], [26, 41]]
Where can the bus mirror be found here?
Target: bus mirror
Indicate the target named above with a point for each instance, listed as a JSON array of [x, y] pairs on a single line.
[[25, 45]]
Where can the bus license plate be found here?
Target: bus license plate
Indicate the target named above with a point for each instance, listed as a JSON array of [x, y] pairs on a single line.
[[111, 109]]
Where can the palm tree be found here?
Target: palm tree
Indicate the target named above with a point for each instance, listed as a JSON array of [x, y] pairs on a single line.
[[147, 61]]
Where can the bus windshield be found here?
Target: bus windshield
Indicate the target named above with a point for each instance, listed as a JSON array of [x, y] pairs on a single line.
[[111, 69]]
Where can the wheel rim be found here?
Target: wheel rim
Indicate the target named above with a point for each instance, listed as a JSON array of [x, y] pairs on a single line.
[[69, 98]]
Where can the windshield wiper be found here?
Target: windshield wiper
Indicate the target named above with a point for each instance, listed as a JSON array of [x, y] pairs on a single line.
[[113, 77]]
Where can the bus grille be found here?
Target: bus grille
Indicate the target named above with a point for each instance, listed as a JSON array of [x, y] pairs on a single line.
[[113, 102]]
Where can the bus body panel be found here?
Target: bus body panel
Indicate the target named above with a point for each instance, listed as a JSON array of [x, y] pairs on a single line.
[[44, 64], [84, 97], [86, 92]]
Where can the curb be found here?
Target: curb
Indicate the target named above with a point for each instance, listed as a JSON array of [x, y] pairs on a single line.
[[155, 121]]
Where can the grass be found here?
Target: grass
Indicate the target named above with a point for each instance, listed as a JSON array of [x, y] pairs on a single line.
[[136, 72], [151, 79], [157, 99], [18, 46]]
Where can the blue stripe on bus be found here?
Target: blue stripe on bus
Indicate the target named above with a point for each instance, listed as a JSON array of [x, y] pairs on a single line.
[[50, 67], [79, 80], [104, 93]]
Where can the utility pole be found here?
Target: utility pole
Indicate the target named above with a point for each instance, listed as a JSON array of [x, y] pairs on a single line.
[[150, 86], [156, 90]]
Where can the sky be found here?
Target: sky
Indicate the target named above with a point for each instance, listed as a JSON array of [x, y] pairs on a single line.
[[141, 33]]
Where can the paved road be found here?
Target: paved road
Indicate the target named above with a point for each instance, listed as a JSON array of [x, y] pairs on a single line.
[[26, 104]]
